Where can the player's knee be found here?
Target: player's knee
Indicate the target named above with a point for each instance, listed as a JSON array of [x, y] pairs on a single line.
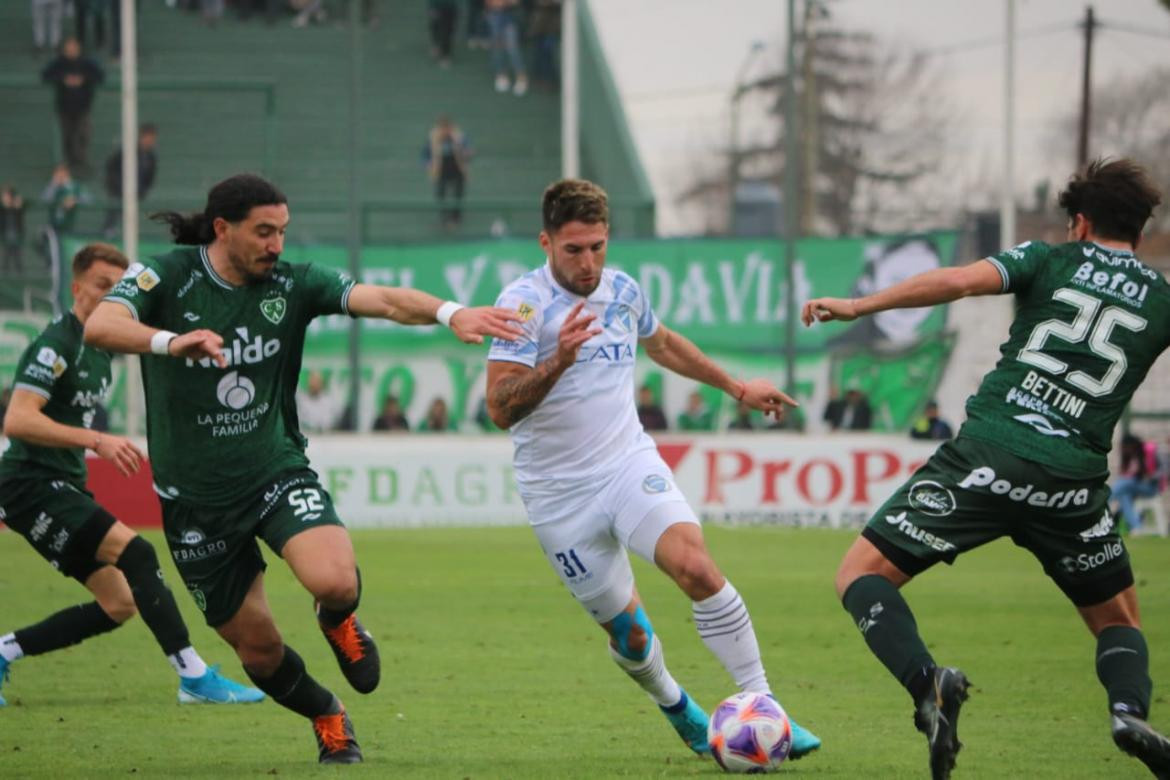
[[119, 608], [138, 560], [632, 634], [260, 654], [697, 575], [338, 588]]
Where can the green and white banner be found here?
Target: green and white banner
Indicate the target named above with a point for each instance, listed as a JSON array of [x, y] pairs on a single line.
[[728, 296]]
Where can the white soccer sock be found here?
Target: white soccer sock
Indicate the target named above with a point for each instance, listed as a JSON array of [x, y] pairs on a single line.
[[188, 663], [651, 674], [10, 648], [724, 624]]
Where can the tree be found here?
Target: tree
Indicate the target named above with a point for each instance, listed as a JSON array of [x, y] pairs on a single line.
[[872, 124], [1128, 120]]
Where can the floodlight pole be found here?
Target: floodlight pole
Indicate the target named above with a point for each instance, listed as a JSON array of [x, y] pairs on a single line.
[[355, 198], [129, 24], [570, 90], [1007, 204], [789, 205]]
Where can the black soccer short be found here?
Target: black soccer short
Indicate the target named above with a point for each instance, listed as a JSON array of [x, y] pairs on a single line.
[[215, 549], [971, 492], [59, 519]]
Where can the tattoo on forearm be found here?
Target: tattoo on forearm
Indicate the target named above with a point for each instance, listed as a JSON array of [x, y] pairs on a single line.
[[516, 396]]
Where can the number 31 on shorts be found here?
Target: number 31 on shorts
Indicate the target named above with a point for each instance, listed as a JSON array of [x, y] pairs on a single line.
[[571, 563]]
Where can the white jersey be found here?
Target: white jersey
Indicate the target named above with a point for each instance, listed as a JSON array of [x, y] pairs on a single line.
[[588, 422]]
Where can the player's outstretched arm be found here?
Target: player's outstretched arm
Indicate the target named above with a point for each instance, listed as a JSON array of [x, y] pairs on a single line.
[[940, 285], [415, 307], [514, 389], [27, 421], [112, 327], [676, 352]]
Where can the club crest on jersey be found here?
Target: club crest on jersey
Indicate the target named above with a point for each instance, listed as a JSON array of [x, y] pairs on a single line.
[[525, 311], [273, 309], [147, 280]]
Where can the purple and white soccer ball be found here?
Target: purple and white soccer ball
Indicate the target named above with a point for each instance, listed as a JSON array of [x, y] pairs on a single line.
[[749, 733]]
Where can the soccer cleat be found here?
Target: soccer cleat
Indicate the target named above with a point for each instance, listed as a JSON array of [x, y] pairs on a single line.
[[4, 664], [803, 741], [937, 717], [690, 722], [214, 688], [357, 655], [1135, 737], [336, 743]]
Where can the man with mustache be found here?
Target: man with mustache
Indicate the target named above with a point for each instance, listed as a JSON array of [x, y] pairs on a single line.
[[226, 448]]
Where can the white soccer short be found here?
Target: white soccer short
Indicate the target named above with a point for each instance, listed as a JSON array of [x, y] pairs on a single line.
[[586, 529]]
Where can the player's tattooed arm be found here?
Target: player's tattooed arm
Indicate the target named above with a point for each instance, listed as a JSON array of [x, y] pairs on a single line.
[[514, 389]]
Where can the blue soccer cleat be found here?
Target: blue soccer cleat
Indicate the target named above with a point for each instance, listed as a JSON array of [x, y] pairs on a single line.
[[4, 663], [803, 741], [214, 688], [690, 722]]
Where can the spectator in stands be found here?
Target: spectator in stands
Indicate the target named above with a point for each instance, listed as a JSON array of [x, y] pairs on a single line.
[[930, 425], [46, 22], [147, 167], [441, 15], [11, 228], [64, 196], [504, 26], [98, 11], [477, 36], [437, 419], [75, 79], [743, 418], [793, 420], [309, 10], [545, 29], [851, 413], [448, 154], [266, 8], [212, 11], [317, 410], [697, 416], [650, 414], [1139, 478], [391, 418]]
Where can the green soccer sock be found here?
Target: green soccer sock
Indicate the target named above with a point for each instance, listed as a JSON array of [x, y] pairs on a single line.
[[1123, 667], [888, 625]]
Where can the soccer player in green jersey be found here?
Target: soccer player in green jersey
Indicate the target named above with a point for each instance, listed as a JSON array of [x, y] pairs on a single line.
[[59, 382], [228, 456], [1029, 462]]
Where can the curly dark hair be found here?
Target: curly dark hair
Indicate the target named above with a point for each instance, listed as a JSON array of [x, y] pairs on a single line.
[[231, 199], [1116, 196]]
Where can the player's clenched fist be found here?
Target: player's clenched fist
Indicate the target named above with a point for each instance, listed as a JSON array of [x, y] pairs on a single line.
[[197, 345]]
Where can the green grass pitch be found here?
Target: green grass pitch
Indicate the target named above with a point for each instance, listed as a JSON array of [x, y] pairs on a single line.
[[490, 670]]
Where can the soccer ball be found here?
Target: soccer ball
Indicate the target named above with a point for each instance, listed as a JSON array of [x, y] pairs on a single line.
[[749, 733]]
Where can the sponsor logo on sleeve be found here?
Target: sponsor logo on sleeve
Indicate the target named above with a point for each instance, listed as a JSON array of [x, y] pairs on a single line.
[[147, 280], [525, 310], [47, 357], [655, 484]]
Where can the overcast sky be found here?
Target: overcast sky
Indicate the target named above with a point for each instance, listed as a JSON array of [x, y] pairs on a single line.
[[676, 62]]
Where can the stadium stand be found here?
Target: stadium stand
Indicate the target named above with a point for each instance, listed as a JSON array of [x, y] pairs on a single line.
[[245, 95]]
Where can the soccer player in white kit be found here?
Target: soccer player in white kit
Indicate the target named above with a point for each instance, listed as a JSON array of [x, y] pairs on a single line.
[[592, 481]]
